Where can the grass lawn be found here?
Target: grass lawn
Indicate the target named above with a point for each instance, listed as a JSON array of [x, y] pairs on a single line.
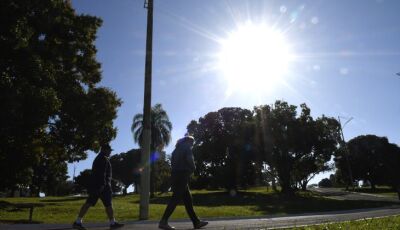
[[392, 222], [252, 202]]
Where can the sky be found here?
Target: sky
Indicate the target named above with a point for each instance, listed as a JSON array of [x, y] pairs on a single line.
[[342, 59]]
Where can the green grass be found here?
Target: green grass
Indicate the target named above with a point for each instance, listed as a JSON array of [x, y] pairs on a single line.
[[253, 202], [392, 222]]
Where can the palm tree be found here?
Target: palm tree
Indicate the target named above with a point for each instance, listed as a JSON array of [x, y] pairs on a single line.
[[160, 135]]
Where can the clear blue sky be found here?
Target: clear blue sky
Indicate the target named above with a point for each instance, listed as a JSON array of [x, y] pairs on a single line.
[[346, 56]]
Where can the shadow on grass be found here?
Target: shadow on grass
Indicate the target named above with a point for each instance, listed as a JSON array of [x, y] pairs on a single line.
[[275, 203]]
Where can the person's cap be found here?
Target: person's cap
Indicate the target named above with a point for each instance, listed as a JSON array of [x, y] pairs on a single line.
[[189, 137]]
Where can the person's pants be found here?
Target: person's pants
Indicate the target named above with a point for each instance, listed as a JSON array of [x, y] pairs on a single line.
[[105, 194], [180, 191]]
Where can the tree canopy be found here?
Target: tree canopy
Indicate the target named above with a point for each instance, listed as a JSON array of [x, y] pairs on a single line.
[[53, 110], [237, 147], [371, 158], [160, 136], [126, 168]]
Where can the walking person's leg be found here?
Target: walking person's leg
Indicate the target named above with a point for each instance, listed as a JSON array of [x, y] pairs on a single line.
[[78, 222], [188, 201], [178, 188], [90, 201], [82, 212], [106, 198], [173, 202]]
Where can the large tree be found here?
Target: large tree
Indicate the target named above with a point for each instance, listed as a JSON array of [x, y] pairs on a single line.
[[371, 158], [237, 147], [126, 168], [160, 136], [321, 139], [223, 150], [82, 181], [294, 146], [51, 106]]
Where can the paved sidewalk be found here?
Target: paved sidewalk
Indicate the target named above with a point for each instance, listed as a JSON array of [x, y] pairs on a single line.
[[266, 222]]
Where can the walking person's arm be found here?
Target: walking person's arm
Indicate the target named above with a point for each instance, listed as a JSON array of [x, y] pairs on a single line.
[[190, 158]]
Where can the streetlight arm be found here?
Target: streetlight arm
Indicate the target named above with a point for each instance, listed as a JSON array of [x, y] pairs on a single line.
[[351, 118]]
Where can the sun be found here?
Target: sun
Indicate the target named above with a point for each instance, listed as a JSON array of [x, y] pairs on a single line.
[[254, 57]]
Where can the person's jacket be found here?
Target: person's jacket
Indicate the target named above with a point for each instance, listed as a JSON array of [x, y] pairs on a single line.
[[101, 172], [182, 157]]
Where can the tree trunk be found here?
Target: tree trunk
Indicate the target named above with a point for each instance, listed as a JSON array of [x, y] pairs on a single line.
[[398, 191], [34, 191], [373, 186], [304, 185], [125, 190], [137, 188], [273, 184], [12, 193], [284, 181]]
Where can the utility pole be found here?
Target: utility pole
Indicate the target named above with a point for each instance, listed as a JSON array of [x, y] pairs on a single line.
[[346, 150], [145, 159]]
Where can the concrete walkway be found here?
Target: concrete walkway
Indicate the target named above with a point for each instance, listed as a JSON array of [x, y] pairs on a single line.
[[266, 222]]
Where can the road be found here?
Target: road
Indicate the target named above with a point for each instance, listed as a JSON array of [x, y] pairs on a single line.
[[265, 222], [339, 194]]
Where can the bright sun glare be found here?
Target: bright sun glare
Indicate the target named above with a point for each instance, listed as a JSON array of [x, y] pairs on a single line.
[[254, 56]]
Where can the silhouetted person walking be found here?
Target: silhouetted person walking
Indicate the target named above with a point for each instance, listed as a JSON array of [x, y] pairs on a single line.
[[100, 187], [182, 163]]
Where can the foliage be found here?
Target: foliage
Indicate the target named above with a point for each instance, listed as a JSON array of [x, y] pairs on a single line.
[[160, 136], [223, 149], [296, 147], [325, 183], [160, 126], [82, 181], [52, 109], [162, 172], [126, 168], [235, 147], [372, 159]]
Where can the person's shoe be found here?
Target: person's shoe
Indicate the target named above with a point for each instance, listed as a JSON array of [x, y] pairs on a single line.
[[200, 224], [165, 226], [78, 226], [116, 225]]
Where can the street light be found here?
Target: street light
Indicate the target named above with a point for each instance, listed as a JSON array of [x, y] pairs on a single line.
[[145, 159], [346, 150]]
